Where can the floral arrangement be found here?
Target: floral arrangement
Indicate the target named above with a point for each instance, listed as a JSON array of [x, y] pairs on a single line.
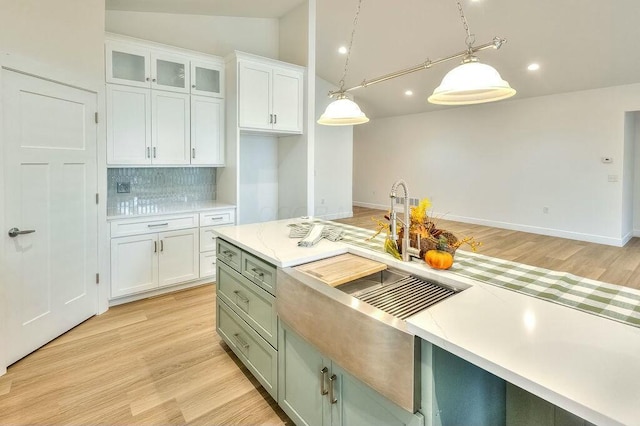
[[424, 233]]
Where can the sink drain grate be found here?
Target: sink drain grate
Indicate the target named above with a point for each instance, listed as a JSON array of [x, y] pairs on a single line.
[[406, 297]]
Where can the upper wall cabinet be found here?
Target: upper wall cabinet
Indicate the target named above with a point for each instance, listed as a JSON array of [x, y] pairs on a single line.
[[165, 106], [270, 95]]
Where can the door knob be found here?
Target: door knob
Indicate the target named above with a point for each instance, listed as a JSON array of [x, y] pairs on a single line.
[[14, 232]]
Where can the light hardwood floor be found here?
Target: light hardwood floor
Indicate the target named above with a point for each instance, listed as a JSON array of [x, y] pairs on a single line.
[[159, 361]]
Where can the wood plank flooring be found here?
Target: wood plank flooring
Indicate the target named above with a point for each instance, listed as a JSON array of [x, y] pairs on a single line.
[[156, 361], [159, 361], [617, 265]]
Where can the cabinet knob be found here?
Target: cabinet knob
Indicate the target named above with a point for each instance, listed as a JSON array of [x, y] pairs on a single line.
[[193, 86], [147, 79], [154, 80]]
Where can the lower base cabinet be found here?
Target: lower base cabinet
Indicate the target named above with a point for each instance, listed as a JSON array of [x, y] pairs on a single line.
[[315, 391]]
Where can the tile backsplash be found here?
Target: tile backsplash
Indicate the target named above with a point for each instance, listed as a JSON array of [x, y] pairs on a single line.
[[168, 185]]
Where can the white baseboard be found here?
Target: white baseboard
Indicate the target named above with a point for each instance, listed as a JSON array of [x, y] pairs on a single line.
[[636, 233], [160, 291], [590, 238]]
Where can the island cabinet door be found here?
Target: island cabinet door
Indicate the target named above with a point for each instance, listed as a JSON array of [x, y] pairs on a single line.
[[303, 377], [354, 403]]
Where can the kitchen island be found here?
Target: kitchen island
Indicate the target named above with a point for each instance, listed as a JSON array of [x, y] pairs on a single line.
[[584, 364]]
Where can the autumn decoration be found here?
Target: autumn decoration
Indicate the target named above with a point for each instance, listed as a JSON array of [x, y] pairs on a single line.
[[437, 246]]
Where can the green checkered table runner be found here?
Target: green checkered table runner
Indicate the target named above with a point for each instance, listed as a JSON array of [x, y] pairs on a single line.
[[594, 297]]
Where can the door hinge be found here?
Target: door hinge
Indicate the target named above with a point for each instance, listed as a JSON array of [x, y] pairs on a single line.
[[96, 117], [97, 278], [97, 198]]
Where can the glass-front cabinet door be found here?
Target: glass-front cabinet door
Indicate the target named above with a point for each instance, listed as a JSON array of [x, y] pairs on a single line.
[[127, 64], [169, 72], [207, 78]]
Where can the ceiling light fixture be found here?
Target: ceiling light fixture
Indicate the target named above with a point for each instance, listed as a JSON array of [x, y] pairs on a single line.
[[533, 67], [469, 83], [408, 92], [342, 50]]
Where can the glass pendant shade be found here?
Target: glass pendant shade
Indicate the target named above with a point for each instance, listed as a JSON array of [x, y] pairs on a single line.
[[471, 83], [342, 112]]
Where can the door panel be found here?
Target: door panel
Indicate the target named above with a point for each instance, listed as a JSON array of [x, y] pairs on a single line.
[[255, 96], [170, 128], [51, 181], [207, 130], [134, 264], [179, 256], [128, 125], [287, 100]]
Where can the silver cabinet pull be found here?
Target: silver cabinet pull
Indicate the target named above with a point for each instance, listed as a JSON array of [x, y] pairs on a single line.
[[148, 152], [147, 78], [155, 246], [241, 341], [158, 224], [270, 118], [275, 118], [14, 232], [228, 253], [161, 245], [217, 218], [323, 378], [241, 296], [332, 380], [193, 153], [257, 274], [154, 80], [155, 151], [193, 86]]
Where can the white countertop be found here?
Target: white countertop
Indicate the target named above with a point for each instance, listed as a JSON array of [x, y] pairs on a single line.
[[130, 209], [583, 363]]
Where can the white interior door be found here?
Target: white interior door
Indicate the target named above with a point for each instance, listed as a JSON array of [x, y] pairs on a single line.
[[49, 138]]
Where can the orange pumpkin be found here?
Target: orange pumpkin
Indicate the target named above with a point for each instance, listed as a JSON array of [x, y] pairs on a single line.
[[438, 259]]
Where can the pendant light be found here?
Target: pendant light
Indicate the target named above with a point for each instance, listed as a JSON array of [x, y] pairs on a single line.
[[343, 111], [472, 82]]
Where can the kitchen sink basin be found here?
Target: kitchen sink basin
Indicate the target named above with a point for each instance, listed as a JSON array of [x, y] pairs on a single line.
[[397, 293]]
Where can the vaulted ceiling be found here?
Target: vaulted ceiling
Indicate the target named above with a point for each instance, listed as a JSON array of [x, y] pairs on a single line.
[[579, 44]]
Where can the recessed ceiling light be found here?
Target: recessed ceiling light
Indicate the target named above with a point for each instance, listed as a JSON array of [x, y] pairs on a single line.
[[408, 92], [342, 50], [533, 67]]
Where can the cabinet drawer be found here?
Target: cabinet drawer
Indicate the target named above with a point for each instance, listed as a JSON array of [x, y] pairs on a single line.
[[228, 253], [259, 272], [254, 352], [218, 217], [251, 303], [146, 225], [207, 239], [207, 264]]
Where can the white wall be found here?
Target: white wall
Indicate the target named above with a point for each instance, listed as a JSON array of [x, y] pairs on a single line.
[[628, 176], [258, 192], [636, 180], [333, 162], [500, 164], [292, 178], [294, 30], [215, 35], [62, 41]]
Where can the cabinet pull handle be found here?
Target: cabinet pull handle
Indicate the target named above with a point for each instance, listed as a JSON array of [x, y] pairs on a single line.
[[148, 152], [228, 253], [241, 296], [332, 380], [270, 118], [241, 341], [155, 246], [154, 80], [153, 225], [147, 79], [275, 118], [217, 218], [193, 153], [257, 274], [323, 378], [155, 151], [193, 86], [161, 246]]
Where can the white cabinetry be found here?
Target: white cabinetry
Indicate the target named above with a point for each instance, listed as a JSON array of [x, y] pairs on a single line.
[[165, 106], [270, 95], [152, 252], [151, 259]]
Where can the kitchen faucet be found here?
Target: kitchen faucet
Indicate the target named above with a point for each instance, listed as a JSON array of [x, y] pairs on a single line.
[[394, 219]]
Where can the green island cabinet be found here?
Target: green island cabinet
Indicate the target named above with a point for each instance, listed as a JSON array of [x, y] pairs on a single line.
[[314, 390]]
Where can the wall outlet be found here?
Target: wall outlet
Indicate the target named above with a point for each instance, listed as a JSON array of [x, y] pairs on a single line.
[[123, 187]]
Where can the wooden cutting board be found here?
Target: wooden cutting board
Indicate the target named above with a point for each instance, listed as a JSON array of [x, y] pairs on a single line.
[[341, 269]]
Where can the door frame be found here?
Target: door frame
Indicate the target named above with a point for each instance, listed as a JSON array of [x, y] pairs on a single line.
[[93, 85]]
